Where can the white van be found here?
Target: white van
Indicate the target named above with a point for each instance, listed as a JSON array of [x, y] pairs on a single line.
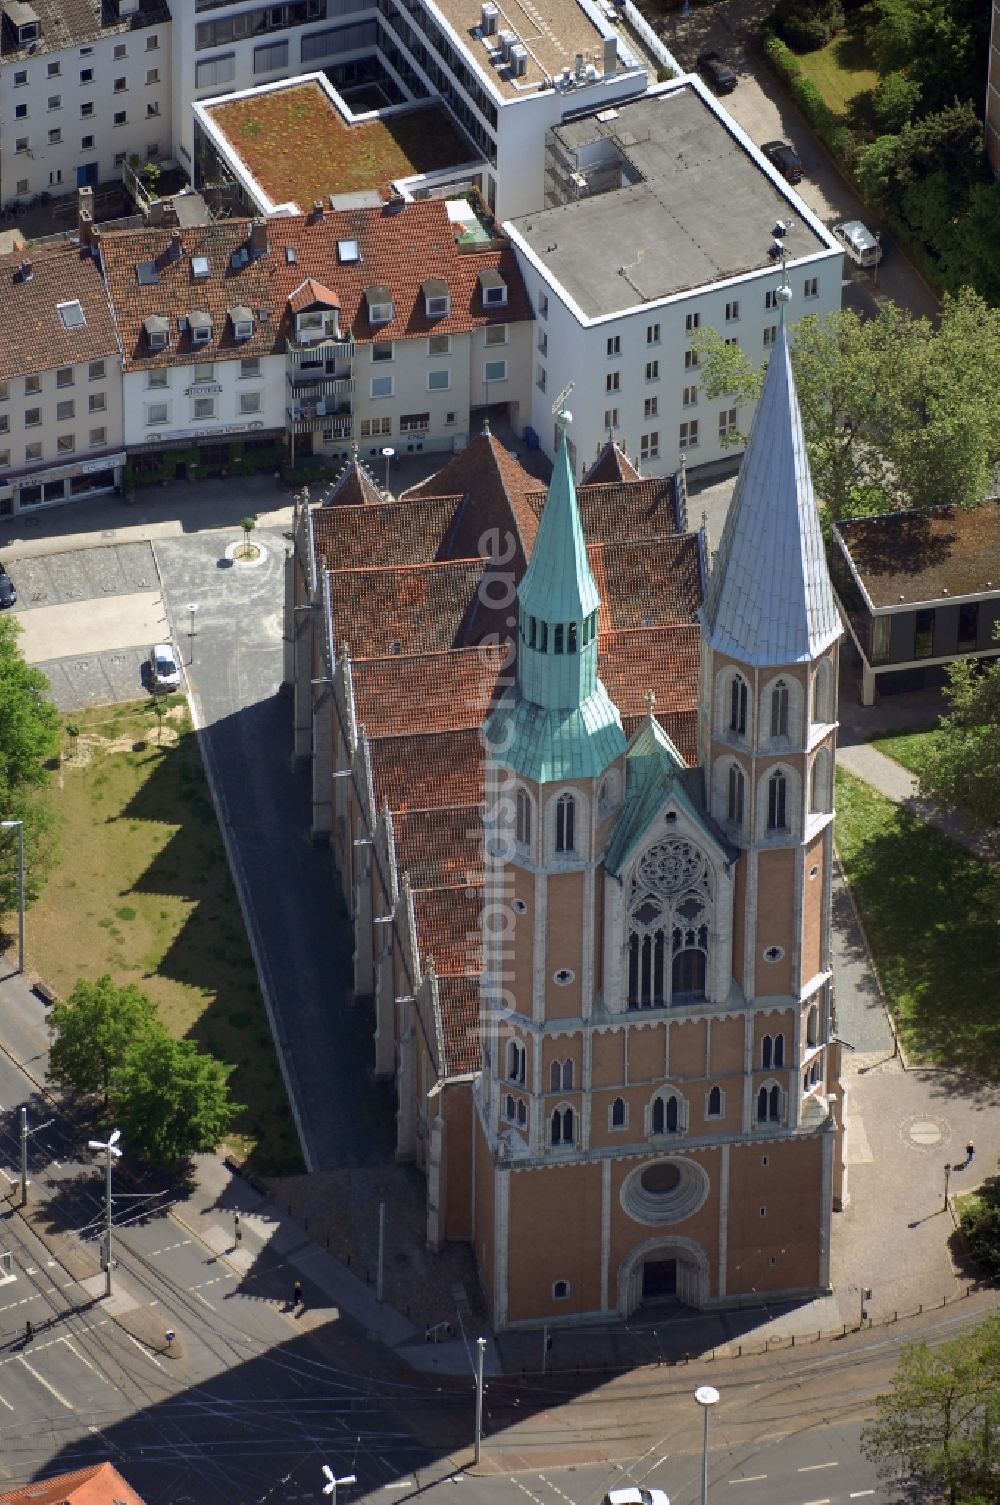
[[858, 241]]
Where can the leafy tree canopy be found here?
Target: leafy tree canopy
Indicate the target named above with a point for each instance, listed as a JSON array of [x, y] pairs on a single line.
[[94, 1027], [895, 412], [962, 769], [29, 737], [940, 44], [169, 1099]]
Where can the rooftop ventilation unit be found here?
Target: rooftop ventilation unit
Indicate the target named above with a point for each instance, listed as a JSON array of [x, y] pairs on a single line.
[[507, 40], [519, 60], [489, 17], [592, 74]]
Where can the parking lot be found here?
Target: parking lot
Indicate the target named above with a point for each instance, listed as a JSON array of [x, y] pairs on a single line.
[[104, 605]]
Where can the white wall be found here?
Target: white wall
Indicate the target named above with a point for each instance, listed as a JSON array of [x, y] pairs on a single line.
[[182, 427]]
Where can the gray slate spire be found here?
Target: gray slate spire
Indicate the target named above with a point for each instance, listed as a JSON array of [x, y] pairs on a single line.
[[769, 599]]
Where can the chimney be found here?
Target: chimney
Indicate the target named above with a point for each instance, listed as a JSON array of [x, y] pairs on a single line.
[[258, 238], [84, 205], [610, 56], [395, 201], [175, 246], [25, 270], [84, 227], [579, 65], [317, 209]]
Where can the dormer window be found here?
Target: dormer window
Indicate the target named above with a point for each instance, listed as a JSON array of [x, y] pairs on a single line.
[[494, 289], [380, 305], [200, 268], [200, 325], [437, 299], [241, 319], [157, 331]]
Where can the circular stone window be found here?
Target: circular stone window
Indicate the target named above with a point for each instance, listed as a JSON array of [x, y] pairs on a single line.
[[666, 1191], [773, 954], [563, 977], [519, 906]]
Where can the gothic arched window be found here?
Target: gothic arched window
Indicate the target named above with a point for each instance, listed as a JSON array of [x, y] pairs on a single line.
[[688, 982], [738, 705], [823, 692], [671, 901], [618, 1113], [665, 1116], [820, 792], [714, 1108], [562, 1126], [516, 1057], [522, 817], [777, 793], [772, 1051], [737, 786], [561, 1076], [565, 823], [779, 709], [812, 1026], [769, 1104]]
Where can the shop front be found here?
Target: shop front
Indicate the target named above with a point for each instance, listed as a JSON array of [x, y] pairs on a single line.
[[50, 485]]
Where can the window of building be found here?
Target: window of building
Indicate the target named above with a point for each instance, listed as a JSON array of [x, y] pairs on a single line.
[[543, 342], [561, 1076], [32, 417], [779, 709], [713, 1107], [32, 452], [54, 102], [688, 436], [157, 377], [97, 402], [86, 75], [204, 370], [665, 1115], [562, 1126], [495, 371], [120, 85], [652, 370], [270, 56], [880, 640], [152, 41], [20, 78], [769, 1105], [727, 423], [565, 823], [86, 143], [649, 445], [65, 444], [249, 402], [669, 915], [771, 298], [95, 371], [4, 423], [439, 344], [21, 145], [495, 296], [736, 788], [32, 384], [204, 407], [770, 334], [98, 437], [120, 162], [20, 112], [210, 72], [53, 70], [64, 376], [732, 311], [652, 334], [152, 75], [777, 795], [738, 696], [543, 305], [614, 345], [55, 136], [516, 1061], [497, 334], [612, 381], [4, 459], [651, 407], [560, 1290], [968, 626], [382, 350], [522, 817], [515, 1110], [152, 110], [691, 360], [923, 633], [4, 391], [120, 51], [812, 1026], [119, 118], [610, 418], [811, 287], [772, 1051], [376, 428], [541, 378], [618, 1116], [820, 783], [692, 322], [690, 398], [381, 386], [439, 381]]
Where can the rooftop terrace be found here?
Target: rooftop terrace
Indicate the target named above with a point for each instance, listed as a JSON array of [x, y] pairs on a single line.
[[676, 201]]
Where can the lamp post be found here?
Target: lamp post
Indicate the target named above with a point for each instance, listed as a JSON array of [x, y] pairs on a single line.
[[387, 455], [330, 1487], [110, 1148], [878, 258], [10, 825], [947, 1179], [192, 607], [480, 1355], [707, 1396]]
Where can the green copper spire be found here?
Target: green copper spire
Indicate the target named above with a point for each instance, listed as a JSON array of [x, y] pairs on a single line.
[[558, 722]]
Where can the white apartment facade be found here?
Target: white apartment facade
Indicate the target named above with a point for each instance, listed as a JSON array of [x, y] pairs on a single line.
[[80, 96], [61, 435], [616, 312]]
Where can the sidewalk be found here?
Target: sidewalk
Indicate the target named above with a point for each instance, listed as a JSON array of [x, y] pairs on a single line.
[[899, 785]]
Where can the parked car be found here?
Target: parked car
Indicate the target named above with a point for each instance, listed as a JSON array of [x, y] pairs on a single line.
[[637, 1494], [718, 72], [164, 667], [861, 245], [786, 159], [8, 595]]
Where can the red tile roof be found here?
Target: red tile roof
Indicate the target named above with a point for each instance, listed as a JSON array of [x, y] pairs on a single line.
[[99, 1484], [497, 489], [398, 249], [680, 726], [415, 771], [412, 609], [432, 692], [309, 292], [449, 928], [612, 464], [627, 510], [32, 335], [440, 847], [459, 1005], [664, 660], [648, 583], [355, 486], [391, 533]]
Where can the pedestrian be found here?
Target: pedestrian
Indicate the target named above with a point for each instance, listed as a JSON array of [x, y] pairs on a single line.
[[29, 1331], [970, 1150], [239, 1229], [297, 1294]]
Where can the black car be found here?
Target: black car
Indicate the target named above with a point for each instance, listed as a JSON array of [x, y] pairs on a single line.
[[718, 72], [8, 595], [786, 159]]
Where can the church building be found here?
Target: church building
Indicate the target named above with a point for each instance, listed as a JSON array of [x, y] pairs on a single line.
[[627, 1089]]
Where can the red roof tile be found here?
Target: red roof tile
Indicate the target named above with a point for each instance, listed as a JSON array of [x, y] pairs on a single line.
[[32, 335], [647, 584], [449, 928], [680, 726], [418, 771], [389, 533], [412, 609], [309, 292], [440, 847], [99, 1484], [628, 510], [355, 486], [433, 692], [459, 1004], [497, 489], [612, 464]]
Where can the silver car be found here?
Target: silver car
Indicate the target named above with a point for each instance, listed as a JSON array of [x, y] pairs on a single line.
[[861, 245], [164, 667]]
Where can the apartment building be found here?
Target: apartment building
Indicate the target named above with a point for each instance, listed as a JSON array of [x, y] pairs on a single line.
[[83, 87], [616, 312], [314, 332], [60, 380]]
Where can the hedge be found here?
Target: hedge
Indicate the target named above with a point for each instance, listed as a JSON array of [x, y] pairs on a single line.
[[837, 136]]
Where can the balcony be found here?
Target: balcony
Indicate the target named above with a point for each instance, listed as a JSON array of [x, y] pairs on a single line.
[[311, 417], [305, 388], [327, 347]]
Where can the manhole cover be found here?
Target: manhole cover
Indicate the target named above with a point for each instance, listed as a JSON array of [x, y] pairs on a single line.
[[926, 1133]]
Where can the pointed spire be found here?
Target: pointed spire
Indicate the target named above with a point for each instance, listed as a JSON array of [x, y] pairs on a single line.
[[769, 599], [558, 585]]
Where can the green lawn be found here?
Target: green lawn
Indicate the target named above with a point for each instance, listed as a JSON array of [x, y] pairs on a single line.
[[909, 748], [143, 891], [931, 911], [842, 72]]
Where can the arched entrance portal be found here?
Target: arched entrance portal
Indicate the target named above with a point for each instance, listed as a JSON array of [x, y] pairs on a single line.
[[662, 1270]]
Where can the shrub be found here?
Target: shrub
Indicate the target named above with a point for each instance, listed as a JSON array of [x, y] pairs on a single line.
[[894, 101], [808, 24], [980, 1222]]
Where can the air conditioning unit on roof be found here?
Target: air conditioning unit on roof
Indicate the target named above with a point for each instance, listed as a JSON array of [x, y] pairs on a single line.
[[519, 60], [507, 39], [489, 17]]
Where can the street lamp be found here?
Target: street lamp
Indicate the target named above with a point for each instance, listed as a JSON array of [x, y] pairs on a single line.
[[387, 455], [111, 1150], [706, 1396], [192, 607], [947, 1178], [878, 258], [9, 825], [330, 1487]]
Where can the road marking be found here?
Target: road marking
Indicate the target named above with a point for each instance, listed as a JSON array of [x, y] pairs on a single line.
[[204, 1301], [6, 1403], [749, 1479], [143, 1349], [817, 1502], [83, 1359], [43, 1381], [401, 1484], [859, 1494], [810, 1468]]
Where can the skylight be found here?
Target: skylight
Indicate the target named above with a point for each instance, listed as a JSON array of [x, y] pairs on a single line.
[[291, 255], [199, 266], [147, 274], [71, 314], [347, 250]]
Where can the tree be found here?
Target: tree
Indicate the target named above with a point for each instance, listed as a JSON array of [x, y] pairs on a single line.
[[94, 1027], [169, 1099], [962, 768], [29, 738], [937, 1420], [247, 524]]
